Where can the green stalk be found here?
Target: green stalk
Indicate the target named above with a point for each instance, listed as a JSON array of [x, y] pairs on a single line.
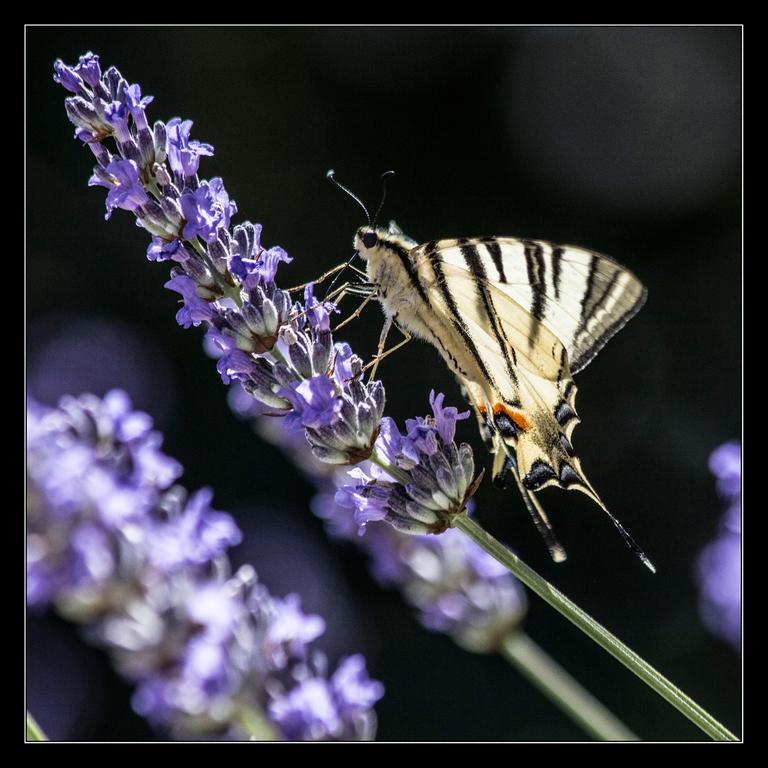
[[596, 631], [557, 684], [34, 731]]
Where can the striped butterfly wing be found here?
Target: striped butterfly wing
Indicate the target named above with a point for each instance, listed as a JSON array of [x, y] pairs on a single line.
[[583, 297], [525, 310], [517, 372]]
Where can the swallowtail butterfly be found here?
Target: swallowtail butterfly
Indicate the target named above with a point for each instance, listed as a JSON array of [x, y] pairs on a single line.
[[514, 320]]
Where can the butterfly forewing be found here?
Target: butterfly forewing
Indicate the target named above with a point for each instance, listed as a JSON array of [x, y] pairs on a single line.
[[507, 336], [583, 297]]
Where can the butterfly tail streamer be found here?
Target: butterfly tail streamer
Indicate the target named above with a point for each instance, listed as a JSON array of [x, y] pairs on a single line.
[[586, 488], [631, 543], [524, 455]]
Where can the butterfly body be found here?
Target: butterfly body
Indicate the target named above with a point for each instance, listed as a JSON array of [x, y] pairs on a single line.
[[514, 320]]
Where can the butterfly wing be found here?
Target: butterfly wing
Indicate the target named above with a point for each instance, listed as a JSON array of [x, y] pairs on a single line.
[[514, 367], [520, 333], [583, 297]]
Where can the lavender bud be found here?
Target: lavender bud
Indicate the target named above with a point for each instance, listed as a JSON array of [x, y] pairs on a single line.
[[218, 253], [160, 138], [113, 81], [299, 355], [200, 273], [161, 175], [146, 148]]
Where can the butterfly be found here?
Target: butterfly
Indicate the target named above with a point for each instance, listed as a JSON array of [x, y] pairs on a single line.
[[515, 320]]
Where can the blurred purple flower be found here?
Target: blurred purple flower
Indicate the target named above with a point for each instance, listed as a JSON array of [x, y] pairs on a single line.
[[113, 544], [319, 709], [718, 568]]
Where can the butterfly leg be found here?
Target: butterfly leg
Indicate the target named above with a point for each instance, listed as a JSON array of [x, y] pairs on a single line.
[[380, 353], [320, 279], [357, 312], [326, 275], [338, 295]]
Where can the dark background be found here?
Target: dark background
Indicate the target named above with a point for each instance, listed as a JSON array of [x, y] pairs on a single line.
[[624, 140]]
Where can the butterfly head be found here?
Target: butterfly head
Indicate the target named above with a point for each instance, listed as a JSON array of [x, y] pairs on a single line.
[[377, 242]]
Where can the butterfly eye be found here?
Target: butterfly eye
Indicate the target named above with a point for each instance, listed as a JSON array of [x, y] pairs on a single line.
[[369, 239]]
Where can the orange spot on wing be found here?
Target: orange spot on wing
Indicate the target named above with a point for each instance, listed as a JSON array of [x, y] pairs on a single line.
[[518, 418], [481, 408]]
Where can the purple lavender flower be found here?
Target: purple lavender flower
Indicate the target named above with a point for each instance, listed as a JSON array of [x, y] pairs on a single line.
[[318, 312], [121, 178], [206, 210], [281, 353], [196, 309], [164, 250], [184, 153], [429, 480], [457, 587], [718, 568], [115, 545], [68, 77], [314, 401]]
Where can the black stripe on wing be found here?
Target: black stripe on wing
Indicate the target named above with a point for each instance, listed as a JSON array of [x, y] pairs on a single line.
[[534, 260], [494, 251], [586, 354], [475, 265]]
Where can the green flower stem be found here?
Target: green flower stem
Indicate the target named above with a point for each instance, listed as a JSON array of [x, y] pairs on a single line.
[[557, 684], [34, 731], [596, 631]]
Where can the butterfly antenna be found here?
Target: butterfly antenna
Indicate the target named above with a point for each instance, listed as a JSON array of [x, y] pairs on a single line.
[[331, 175], [384, 177]]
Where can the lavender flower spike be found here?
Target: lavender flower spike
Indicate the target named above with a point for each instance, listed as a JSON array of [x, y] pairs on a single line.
[[420, 481], [114, 545], [281, 353]]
